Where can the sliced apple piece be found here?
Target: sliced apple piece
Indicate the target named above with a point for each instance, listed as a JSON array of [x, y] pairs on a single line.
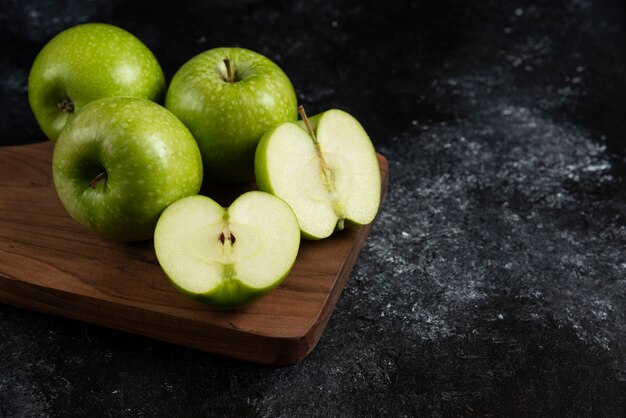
[[227, 258], [325, 168]]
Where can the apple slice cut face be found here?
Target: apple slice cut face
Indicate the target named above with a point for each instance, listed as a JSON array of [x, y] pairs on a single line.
[[186, 243], [229, 255], [267, 238], [350, 156], [294, 172], [335, 180]]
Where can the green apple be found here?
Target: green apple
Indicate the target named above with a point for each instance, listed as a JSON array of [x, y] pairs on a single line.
[[85, 63], [228, 97], [325, 168], [227, 258], [120, 161]]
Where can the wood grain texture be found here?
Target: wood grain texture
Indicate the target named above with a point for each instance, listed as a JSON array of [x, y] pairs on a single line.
[[50, 263]]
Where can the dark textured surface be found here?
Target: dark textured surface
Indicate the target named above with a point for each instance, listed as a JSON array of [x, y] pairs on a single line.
[[494, 282]]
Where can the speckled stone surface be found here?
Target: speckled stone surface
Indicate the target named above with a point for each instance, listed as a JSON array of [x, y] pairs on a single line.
[[494, 281]]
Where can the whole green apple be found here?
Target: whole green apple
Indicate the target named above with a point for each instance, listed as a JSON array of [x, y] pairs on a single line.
[[120, 161], [227, 257], [228, 97], [85, 63]]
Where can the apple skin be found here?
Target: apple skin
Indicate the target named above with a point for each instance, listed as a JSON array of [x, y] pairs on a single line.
[[228, 118], [89, 62], [230, 294], [149, 156]]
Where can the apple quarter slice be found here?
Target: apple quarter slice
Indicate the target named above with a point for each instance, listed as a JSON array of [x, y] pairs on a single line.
[[227, 258], [327, 172]]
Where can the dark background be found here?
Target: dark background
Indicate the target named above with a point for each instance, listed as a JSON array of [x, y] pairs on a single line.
[[494, 280]]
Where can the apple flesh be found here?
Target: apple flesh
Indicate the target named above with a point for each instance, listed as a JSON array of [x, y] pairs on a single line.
[[85, 63], [327, 172], [228, 97], [120, 162], [227, 258]]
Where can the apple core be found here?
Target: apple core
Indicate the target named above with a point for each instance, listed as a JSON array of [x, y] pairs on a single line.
[[230, 238], [326, 173]]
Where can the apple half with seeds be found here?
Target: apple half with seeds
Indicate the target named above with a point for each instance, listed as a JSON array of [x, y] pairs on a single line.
[[325, 168], [227, 258]]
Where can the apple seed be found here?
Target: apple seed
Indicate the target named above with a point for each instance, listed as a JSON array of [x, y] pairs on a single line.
[[231, 238]]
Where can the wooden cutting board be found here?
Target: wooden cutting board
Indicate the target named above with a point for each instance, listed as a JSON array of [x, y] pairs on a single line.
[[49, 263]]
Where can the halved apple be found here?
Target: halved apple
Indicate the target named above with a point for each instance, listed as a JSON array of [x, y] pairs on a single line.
[[325, 168], [227, 258]]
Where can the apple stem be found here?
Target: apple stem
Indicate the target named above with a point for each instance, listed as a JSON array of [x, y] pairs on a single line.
[[229, 71], [341, 224], [93, 183], [66, 105], [307, 123]]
